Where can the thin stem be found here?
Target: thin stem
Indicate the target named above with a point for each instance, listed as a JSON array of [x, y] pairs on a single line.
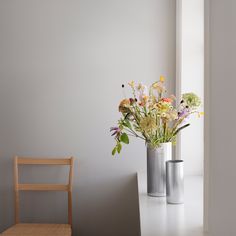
[[133, 133]]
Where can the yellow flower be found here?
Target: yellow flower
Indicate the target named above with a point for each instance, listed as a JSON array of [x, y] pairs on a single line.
[[163, 115], [159, 87], [155, 85], [148, 124], [140, 87], [169, 116], [131, 84], [162, 79], [164, 106], [145, 99], [124, 106], [173, 115], [200, 114]]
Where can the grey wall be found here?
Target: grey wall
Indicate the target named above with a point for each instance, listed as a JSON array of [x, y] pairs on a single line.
[[222, 118], [62, 63]]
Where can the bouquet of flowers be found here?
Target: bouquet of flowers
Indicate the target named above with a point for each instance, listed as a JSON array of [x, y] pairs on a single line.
[[152, 116]]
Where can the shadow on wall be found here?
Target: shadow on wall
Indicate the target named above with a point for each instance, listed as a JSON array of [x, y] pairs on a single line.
[[6, 193], [116, 213], [113, 213]]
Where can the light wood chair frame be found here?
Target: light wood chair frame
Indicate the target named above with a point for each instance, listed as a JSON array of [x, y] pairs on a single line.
[[43, 187]]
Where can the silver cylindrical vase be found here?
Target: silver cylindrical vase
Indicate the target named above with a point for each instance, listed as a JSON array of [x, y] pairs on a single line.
[[175, 181], [156, 170]]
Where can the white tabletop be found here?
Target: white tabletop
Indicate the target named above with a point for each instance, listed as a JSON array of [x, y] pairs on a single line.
[[158, 218]]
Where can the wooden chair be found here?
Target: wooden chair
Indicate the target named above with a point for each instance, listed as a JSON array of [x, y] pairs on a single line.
[[23, 229]]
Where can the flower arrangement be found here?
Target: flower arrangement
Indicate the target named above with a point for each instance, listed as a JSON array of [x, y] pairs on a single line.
[[151, 116]]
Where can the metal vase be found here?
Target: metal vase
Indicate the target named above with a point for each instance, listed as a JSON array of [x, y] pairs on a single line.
[[175, 181], [156, 170]]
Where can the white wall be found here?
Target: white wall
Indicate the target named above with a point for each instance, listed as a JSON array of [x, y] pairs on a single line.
[[222, 129], [62, 63], [192, 80]]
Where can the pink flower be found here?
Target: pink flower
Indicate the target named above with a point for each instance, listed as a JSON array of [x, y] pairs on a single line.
[[116, 130]]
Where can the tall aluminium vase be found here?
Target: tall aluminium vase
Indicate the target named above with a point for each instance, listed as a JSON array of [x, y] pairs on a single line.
[[156, 170]]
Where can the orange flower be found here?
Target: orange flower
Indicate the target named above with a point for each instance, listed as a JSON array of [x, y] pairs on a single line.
[[169, 100], [124, 106], [144, 100]]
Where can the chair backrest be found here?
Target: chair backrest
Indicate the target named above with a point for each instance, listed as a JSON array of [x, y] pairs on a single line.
[[43, 187]]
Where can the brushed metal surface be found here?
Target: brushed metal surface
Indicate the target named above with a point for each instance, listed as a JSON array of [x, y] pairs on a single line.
[[156, 170], [175, 181]]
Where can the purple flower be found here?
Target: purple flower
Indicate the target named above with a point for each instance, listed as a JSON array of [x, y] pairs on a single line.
[[183, 113], [116, 130]]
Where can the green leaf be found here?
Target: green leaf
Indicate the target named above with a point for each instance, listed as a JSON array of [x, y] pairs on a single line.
[[177, 131], [126, 116], [121, 126], [114, 151], [127, 124], [119, 147], [124, 138], [145, 109]]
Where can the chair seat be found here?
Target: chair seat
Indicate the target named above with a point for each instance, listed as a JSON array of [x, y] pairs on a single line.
[[38, 230]]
